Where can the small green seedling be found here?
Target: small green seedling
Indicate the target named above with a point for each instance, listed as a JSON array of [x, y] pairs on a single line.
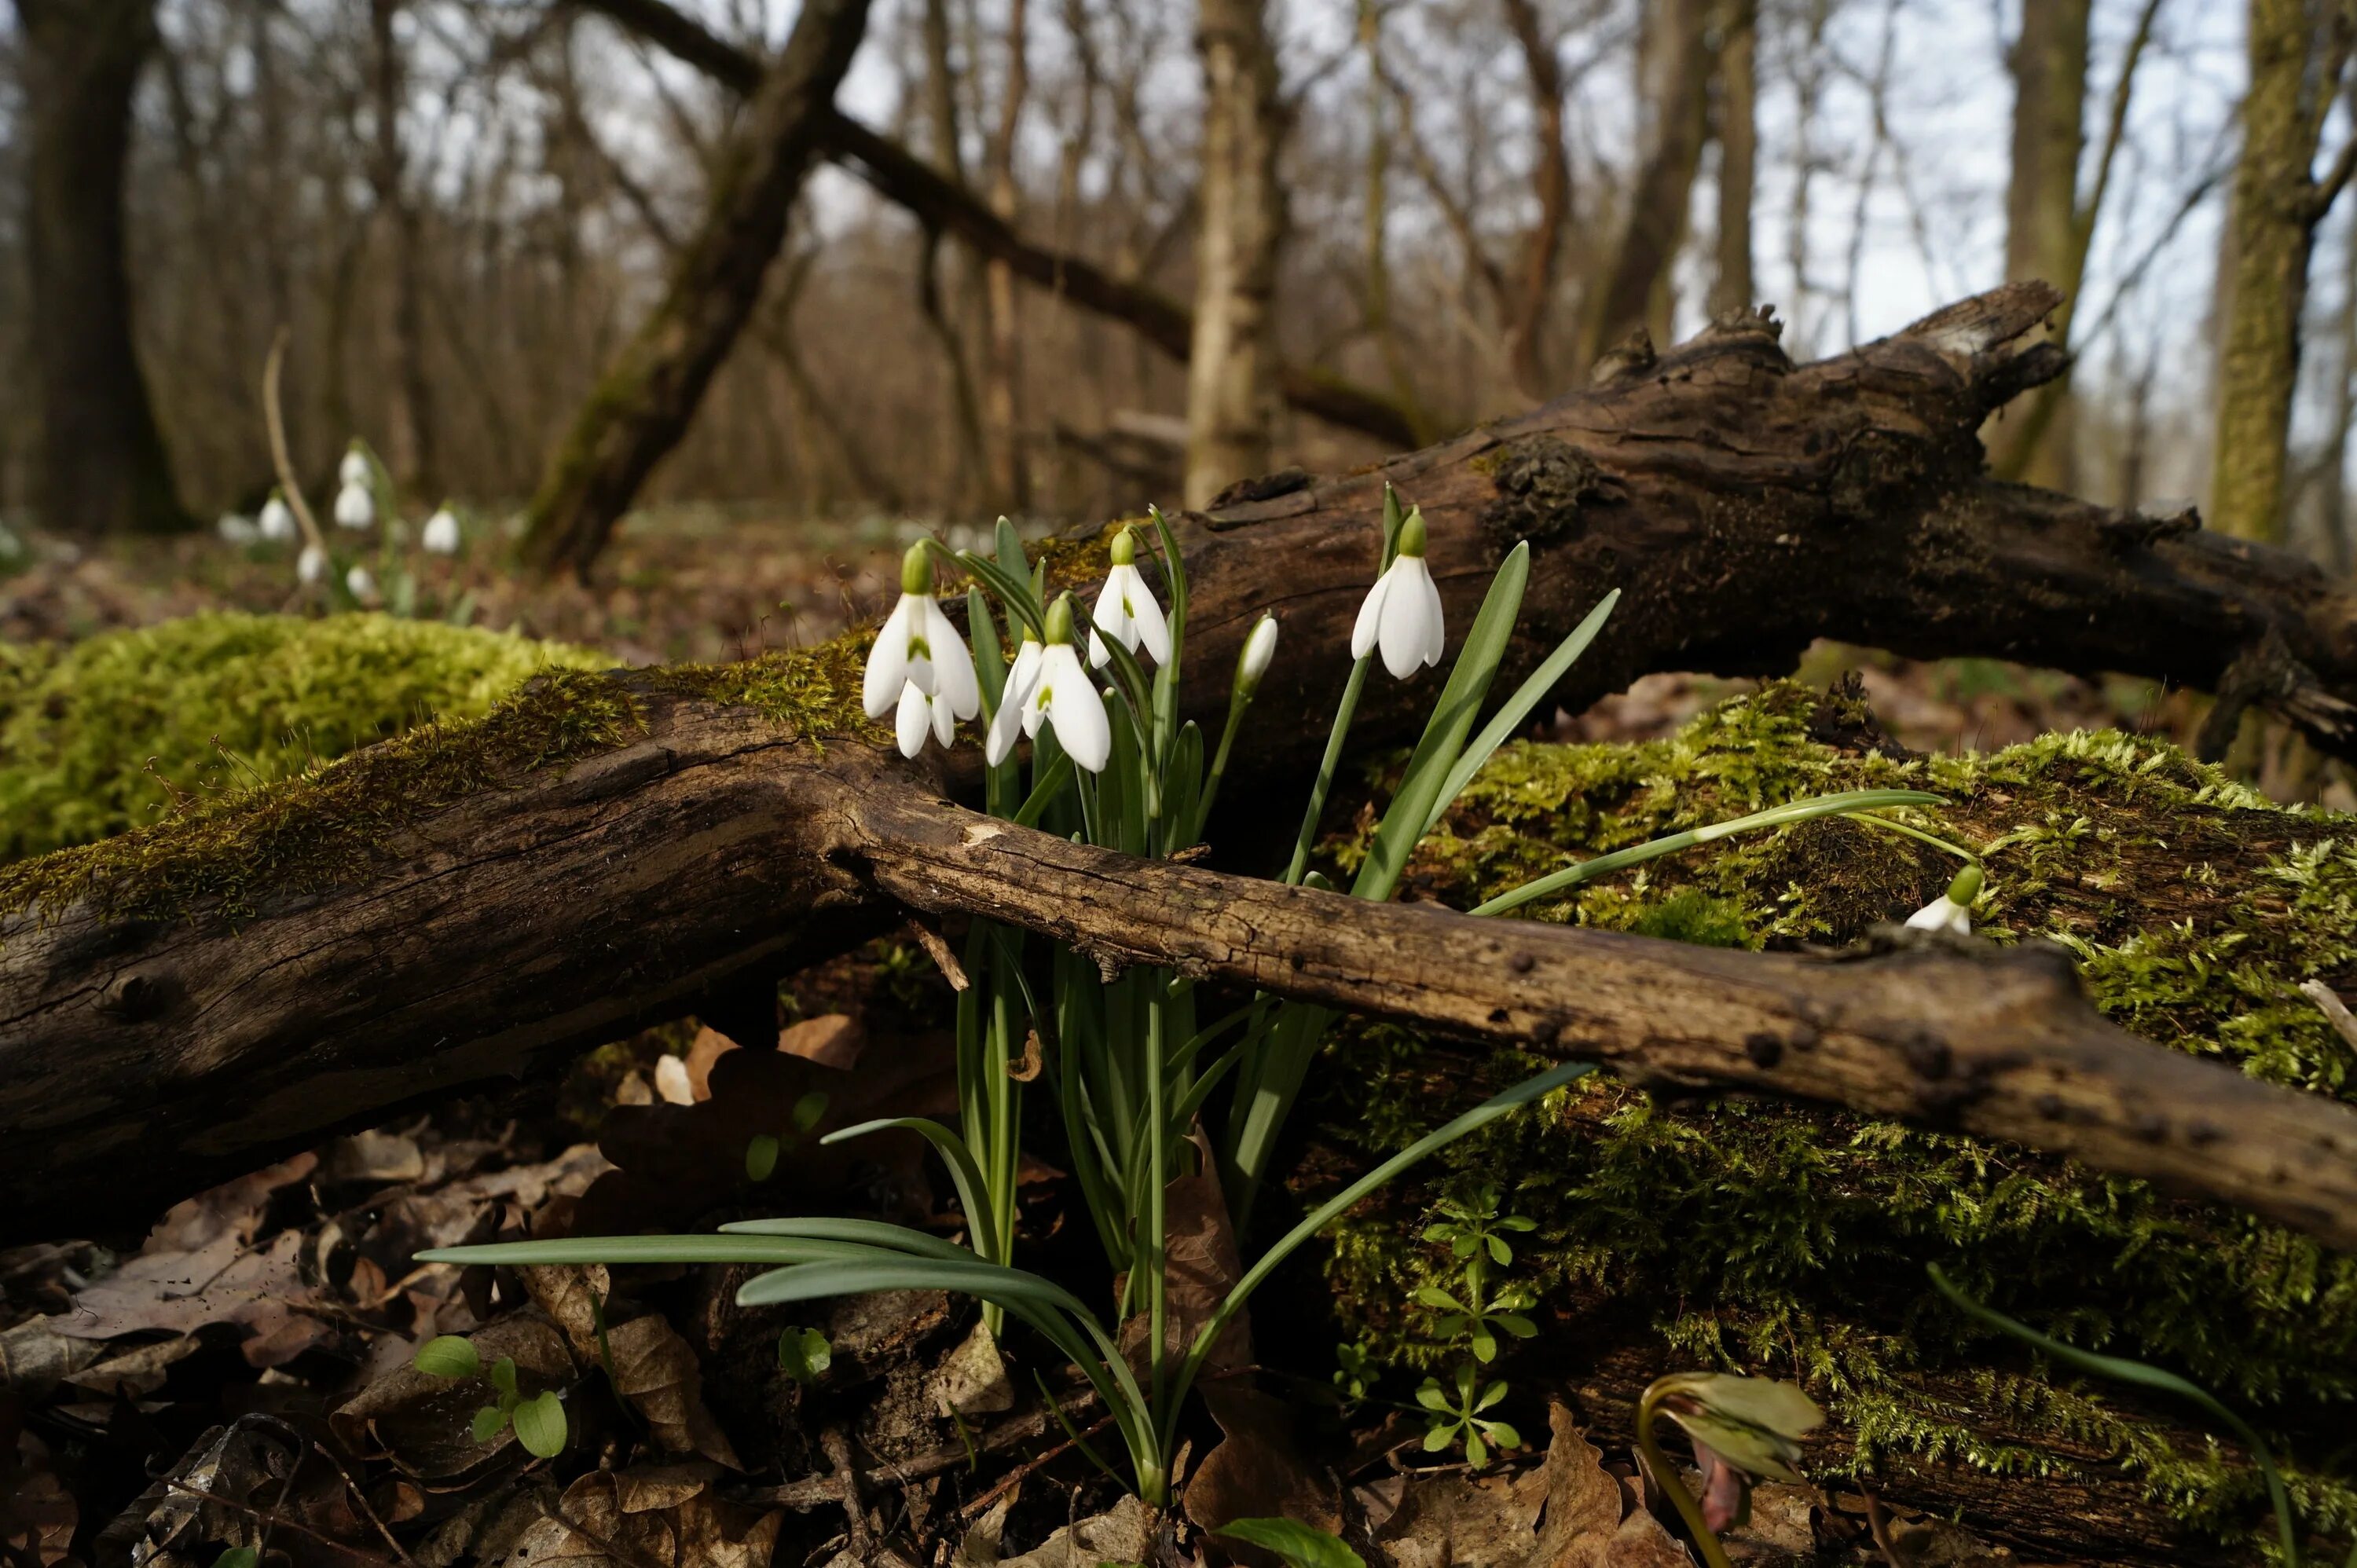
[[804, 1355], [1298, 1544], [1479, 1316], [1459, 1419], [761, 1154], [239, 1557], [539, 1422], [1356, 1373], [1473, 1226]]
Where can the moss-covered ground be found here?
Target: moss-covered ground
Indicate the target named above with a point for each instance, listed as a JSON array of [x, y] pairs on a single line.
[[1769, 1239]]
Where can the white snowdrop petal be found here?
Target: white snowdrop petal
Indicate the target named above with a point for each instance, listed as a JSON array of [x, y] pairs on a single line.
[[954, 681], [1369, 624], [1073, 707], [944, 723], [353, 470], [915, 717], [1436, 625], [887, 663], [1153, 631], [441, 533], [1404, 634], [355, 507], [671, 1082]]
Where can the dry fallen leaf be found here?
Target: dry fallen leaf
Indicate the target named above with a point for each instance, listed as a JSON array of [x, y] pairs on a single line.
[[37, 1515], [1124, 1535], [663, 1517], [657, 1371]]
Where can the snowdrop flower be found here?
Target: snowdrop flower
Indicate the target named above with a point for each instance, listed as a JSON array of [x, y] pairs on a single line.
[[1125, 610], [277, 519], [671, 1082], [1952, 910], [236, 528], [361, 582], [1008, 722], [1260, 650], [441, 534], [919, 665], [355, 507], [354, 469], [1065, 696], [1402, 614], [311, 566]]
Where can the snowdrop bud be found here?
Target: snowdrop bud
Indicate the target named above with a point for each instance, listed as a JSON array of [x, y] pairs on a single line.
[[355, 507], [1058, 626], [917, 570], [354, 468], [311, 566], [1952, 910], [1260, 648], [277, 519], [441, 534], [361, 582]]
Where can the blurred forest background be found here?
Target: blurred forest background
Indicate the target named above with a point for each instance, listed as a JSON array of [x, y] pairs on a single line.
[[1367, 223]]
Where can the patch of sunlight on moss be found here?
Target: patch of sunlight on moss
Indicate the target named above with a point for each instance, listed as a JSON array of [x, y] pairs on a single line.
[[102, 735], [1769, 1238]]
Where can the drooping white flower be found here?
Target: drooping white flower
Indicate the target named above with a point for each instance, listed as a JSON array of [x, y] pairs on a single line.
[[354, 468], [1125, 609], [355, 507], [919, 651], [1065, 696], [361, 582], [236, 528], [441, 533], [1402, 612], [277, 519], [1952, 910], [1007, 723], [1260, 652], [311, 566]]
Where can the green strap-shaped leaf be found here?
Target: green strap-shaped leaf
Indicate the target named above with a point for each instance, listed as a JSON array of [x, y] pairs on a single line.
[[1517, 710], [963, 1171], [1298, 1544]]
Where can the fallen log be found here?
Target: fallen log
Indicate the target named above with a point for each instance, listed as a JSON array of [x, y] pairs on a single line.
[[191, 1000]]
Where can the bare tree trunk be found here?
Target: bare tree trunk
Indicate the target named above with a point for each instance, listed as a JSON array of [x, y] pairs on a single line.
[[2048, 64], [2333, 509], [644, 401], [942, 121], [1551, 183], [1003, 385], [410, 438], [1231, 358], [1676, 75], [2298, 49], [1736, 122], [103, 468]]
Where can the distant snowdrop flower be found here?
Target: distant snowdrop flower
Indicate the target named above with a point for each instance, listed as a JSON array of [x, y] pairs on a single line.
[[671, 1082], [1125, 609], [277, 519], [1007, 723], [1259, 652], [1952, 910], [354, 468], [1402, 612], [919, 665], [441, 534], [236, 528], [311, 566], [1065, 696], [355, 507], [361, 582]]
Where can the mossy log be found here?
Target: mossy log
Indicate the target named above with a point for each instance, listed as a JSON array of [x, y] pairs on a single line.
[[1675, 1231], [471, 901]]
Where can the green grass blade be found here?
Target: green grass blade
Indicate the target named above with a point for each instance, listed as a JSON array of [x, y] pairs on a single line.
[[1517, 710], [698, 1248], [963, 1170], [869, 1232], [1444, 733], [2138, 1374], [1838, 804]]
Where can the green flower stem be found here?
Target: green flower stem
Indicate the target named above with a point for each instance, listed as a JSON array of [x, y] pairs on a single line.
[[1672, 1485], [1327, 766], [1934, 840]]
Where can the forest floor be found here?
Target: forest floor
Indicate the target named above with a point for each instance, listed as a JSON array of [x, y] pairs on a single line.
[[240, 1377]]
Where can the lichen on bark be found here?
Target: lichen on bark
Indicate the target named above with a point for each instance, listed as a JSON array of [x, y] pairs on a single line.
[[1777, 1239]]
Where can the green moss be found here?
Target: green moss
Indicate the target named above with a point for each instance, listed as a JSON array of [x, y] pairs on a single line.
[[113, 733], [319, 828], [1766, 1237]]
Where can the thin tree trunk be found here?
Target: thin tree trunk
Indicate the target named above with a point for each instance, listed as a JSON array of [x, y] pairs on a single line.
[[2297, 50], [1231, 358], [103, 468], [1002, 383], [645, 400], [411, 433], [943, 122], [1551, 185], [1737, 124], [1630, 294], [2333, 509]]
